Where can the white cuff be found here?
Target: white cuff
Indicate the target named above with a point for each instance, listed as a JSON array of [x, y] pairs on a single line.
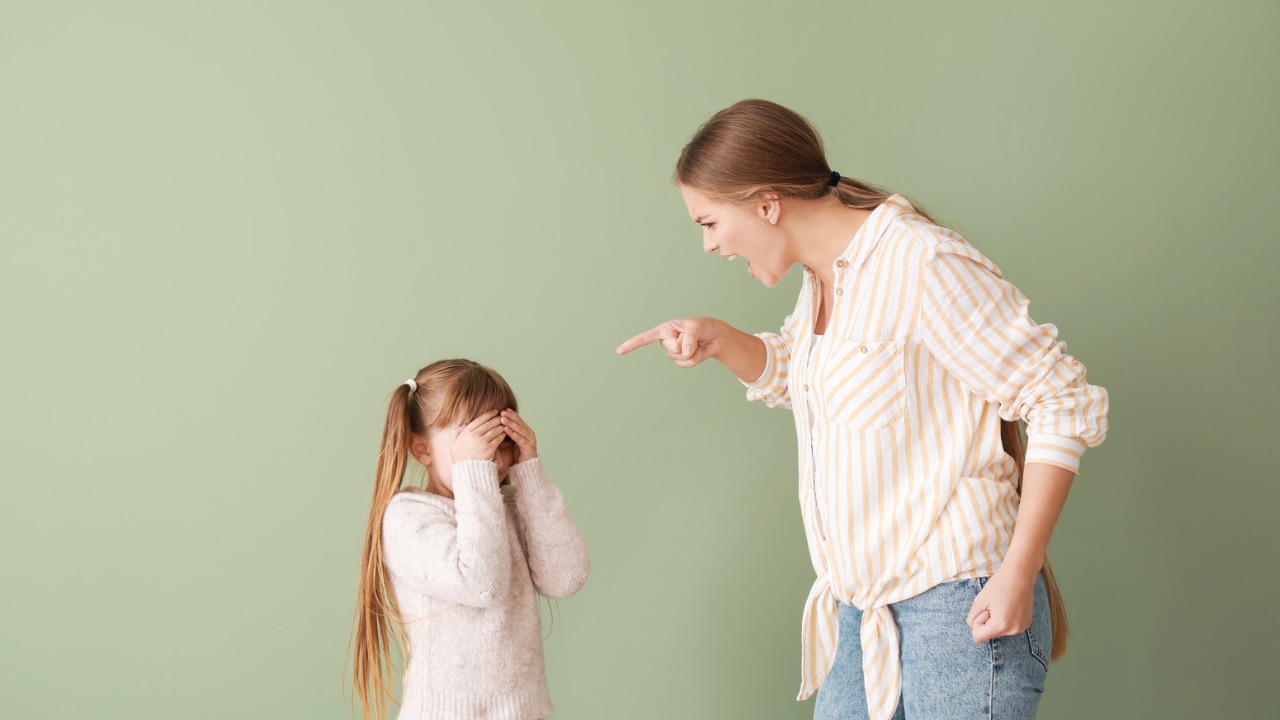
[[1064, 452], [766, 377]]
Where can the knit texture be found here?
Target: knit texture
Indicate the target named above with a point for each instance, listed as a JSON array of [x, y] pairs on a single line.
[[465, 573]]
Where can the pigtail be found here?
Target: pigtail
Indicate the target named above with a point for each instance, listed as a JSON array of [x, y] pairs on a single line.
[[377, 618], [1016, 447]]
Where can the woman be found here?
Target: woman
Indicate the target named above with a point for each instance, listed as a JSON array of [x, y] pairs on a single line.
[[907, 362]]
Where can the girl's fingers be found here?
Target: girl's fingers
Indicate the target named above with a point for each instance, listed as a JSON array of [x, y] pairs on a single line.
[[517, 434], [514, 417], [519, 431], [522, 435], [518, 428], [478, 424]]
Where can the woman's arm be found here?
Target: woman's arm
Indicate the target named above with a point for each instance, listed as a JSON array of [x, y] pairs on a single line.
[[976, 323], [759, 361], [1003, 606]]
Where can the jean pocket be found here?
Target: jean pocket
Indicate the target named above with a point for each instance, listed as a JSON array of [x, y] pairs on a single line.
[[1034, 645], [865, 383]]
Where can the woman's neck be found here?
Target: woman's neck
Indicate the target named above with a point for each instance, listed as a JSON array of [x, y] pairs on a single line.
[[819, 231]]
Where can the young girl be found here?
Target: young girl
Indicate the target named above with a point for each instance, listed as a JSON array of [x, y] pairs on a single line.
[[455, 567], [907, 362]]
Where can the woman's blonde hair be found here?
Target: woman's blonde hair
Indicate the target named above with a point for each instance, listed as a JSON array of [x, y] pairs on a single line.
[[448, 391], [756, 146]]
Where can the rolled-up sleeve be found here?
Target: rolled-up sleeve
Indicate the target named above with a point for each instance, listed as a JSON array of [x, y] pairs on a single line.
[[771, 386], [977, 325]]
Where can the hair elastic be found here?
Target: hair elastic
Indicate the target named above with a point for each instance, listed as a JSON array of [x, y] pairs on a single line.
[[413, 385], [835, 179]]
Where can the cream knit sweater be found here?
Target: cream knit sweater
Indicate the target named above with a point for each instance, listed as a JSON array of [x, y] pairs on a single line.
[[464, 573]]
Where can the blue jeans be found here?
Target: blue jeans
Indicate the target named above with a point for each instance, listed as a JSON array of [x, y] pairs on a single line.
[[945, 674]]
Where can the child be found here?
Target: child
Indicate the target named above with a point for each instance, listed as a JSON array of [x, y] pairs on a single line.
[[454, 568]]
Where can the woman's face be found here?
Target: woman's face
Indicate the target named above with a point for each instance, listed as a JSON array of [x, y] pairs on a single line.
[[736, 230]]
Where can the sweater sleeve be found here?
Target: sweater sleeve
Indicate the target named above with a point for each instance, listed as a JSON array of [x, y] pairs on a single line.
[[772, 385], [557, 552], [977, 325], [461, 558]]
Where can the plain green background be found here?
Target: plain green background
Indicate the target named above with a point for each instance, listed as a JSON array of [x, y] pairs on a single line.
[[230, 229]]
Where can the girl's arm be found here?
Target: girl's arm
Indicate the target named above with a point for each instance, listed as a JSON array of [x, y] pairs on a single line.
[[557, 552], [463, 558]]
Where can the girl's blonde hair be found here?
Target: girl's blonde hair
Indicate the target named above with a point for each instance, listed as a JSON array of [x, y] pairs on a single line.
[[756, 146], [448, 391]]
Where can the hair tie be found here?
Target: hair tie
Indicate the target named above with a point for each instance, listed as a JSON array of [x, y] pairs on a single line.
[[835, 179], [413, 385]]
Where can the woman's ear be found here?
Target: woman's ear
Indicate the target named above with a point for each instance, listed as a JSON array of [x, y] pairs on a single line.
[[420, 448], [768, 206]]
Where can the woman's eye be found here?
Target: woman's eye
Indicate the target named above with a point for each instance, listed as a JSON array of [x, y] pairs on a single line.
[[707, 225]]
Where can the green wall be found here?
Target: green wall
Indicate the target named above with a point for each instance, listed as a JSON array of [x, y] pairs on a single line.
[[229, 229]]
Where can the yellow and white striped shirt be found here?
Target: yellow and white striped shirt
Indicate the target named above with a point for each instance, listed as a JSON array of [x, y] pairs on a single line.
[[904, 482]]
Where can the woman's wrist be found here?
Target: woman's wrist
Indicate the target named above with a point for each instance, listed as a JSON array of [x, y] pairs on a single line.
[[1023, 563], [722, 329], [742, 353]]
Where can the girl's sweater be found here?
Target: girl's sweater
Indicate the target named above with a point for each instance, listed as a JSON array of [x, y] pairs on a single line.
[[464, 572]]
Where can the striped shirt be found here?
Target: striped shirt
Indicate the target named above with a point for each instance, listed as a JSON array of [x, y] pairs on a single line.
[[904, 482]]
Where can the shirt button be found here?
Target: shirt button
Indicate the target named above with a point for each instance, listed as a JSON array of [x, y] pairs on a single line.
[[839, 291], [840, 263], [864, 348], [806, 387]]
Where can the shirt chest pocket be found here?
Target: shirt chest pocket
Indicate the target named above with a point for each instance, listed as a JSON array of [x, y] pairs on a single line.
[[864, 383]]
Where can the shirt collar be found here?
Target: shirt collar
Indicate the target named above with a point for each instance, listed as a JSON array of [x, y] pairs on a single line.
[[873, 228]]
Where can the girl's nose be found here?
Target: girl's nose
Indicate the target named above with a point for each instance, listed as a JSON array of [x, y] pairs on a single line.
[[707, 245]]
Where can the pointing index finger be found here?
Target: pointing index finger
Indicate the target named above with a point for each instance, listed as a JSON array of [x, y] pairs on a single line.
[[641, 340]]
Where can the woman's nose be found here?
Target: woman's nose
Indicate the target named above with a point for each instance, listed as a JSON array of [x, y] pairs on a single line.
[[708, 246]]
